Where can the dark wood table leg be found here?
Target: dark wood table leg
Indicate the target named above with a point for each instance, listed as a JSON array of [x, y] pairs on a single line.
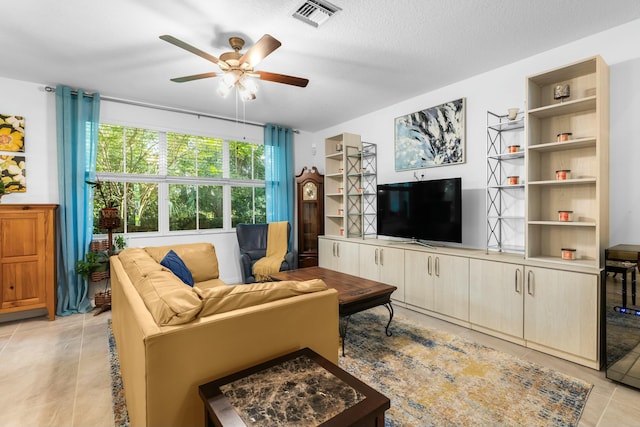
[[344, 324], [386, 328]]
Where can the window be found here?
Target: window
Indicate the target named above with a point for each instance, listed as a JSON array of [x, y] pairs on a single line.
[[200, 178]]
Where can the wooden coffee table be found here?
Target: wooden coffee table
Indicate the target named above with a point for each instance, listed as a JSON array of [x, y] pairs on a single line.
[[355, 294], [298, 389]]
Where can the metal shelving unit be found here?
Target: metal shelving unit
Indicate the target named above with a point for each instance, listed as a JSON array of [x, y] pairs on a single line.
[[361, 190], [505, 183]]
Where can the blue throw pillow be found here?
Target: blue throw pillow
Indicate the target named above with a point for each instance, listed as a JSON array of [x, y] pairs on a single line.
[[174, 263]]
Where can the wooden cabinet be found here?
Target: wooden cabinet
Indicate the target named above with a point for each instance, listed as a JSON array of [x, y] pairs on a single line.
[[438, 283], [567, 124], [339, 255], [381, 263], [27, 258], [496, 295], [310, 200], [561, 313]]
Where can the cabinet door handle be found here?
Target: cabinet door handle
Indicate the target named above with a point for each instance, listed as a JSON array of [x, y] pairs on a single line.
[[375, 258], [517, 271], [429, 265], [381, 262], [530, 288], [438, 266], [333, 248], [338, 249]]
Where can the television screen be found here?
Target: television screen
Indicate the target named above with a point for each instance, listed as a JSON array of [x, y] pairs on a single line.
[[421, 210]]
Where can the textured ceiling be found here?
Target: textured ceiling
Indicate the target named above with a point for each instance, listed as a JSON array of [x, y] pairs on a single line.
[[371, 54]]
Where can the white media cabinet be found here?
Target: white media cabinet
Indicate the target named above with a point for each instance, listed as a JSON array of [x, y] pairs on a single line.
[[553, 308]]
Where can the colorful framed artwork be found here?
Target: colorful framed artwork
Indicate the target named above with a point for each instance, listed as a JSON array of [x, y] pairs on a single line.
[[431, 137], [13, 174], [11, 133]]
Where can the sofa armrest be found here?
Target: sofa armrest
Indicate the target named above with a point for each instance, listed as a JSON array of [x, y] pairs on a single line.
[[186, 356], [290, 260], [246, 269]]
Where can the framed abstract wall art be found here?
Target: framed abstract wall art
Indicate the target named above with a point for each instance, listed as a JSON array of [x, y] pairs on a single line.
[[431, 137]]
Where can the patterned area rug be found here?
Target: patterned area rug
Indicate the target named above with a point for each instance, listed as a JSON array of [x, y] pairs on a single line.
[[120, 414], [437, 379]]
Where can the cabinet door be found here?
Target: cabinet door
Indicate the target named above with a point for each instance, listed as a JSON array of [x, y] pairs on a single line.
[[451, 286], [418, 279], [561, 311], [326, 253], [496, 296], [383, 264], [347, 257], [369, 262], [391, 268], [22, 262]]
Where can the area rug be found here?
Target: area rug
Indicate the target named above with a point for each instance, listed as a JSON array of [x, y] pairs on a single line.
[[120, 414], [437, 379]]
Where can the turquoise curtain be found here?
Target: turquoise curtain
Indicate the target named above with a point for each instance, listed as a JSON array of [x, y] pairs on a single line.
[[279, 174], [77, 119]]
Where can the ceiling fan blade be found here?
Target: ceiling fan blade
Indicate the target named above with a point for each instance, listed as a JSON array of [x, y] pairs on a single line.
[[282, 78], [260, 50], [193, 77], [188, 47]]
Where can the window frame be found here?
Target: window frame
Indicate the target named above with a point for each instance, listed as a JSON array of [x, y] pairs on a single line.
[[162, 180]]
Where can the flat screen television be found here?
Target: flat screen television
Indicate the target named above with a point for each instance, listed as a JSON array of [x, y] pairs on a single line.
[[421, 210]]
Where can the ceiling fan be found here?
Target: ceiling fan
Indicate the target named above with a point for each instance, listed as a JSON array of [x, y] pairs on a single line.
[[238, 68]]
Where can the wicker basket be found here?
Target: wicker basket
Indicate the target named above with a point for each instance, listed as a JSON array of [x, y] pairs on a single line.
[[109, 218], [99, 245], [103, 298], [98, 276]]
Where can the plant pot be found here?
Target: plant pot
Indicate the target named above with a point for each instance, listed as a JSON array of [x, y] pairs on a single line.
[[109, 218], [103, 298], [99, 245], [98, 276]]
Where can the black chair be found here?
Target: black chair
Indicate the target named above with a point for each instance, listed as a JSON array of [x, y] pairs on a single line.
[[252, 240]]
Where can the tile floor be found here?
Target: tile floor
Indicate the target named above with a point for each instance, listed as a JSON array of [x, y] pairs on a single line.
[[57, 374]]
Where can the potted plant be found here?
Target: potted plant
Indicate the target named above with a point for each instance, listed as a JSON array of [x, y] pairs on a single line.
[[119, 243], [95, 266]]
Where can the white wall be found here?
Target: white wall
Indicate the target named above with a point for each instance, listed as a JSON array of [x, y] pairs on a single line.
[[502, 88], [38, 108]]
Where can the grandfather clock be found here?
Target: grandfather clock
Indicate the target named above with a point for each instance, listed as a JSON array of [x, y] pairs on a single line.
[[310, 215]]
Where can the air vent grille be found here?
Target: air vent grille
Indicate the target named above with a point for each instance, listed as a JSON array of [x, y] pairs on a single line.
[[315, 12]]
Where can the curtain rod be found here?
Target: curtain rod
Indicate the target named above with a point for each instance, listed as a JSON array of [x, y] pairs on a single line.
[[162, 107]]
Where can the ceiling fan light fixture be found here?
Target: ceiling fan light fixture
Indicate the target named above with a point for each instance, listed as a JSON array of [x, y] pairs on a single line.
[[223, 88]]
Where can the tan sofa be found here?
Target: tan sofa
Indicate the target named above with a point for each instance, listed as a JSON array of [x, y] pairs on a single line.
[[171, 337]]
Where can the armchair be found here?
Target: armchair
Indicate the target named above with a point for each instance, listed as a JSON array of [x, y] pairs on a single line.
[[252, 240]]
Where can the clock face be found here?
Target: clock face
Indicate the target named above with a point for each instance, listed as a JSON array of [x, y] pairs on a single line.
[[310, 191]]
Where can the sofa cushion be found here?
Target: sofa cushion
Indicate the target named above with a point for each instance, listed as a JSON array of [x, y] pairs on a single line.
[[221, 299], [174, 263], [210, 284], [168, 300], [200, 258], [137, 263]]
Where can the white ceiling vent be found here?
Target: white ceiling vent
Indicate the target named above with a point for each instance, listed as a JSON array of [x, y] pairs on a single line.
[[315, 12]]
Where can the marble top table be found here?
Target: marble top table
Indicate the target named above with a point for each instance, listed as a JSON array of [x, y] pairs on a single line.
[[299, 389]]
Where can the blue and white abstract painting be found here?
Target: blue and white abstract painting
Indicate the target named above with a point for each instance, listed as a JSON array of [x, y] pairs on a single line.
[[431, 137]]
